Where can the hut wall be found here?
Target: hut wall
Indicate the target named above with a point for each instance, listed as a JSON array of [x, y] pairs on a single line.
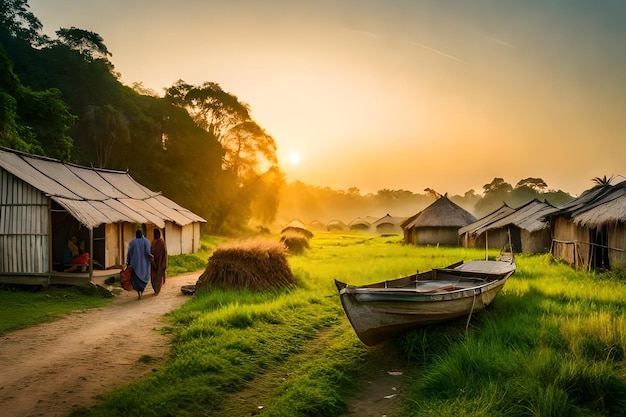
[[496, 239], [187, 239], [173, 239], [617, 241], [128, 234], [445, 236], [388, 228], [536, 242], [113, 245], [571, 243], [24, 227]]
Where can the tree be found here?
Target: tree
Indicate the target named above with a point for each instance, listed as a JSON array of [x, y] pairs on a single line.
[[89, 44], [21, 23], [432, 193], [32, 121], [536, 184], [497, 186], [495, 194], [105, 125], [602, 181]]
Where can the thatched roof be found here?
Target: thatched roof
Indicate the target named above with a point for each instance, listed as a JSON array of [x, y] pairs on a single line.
[[442, 213], [530, 216], [297, 226], [362, 221], [609, 208], [596, 206], [336, 225], [480, 225], [388, 219]]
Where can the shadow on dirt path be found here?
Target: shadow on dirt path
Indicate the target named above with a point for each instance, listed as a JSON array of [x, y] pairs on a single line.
[[50, 369]]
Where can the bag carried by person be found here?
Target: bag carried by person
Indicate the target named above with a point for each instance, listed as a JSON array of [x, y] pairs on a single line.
[[125, 278]]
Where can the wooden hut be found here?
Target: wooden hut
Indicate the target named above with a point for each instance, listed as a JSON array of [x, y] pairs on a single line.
[[589, 232], [43, 202], [526, 227], [478, 234], [437, 224]]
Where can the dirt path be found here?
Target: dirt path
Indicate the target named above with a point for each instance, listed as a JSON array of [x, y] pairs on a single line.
[[50, 369]]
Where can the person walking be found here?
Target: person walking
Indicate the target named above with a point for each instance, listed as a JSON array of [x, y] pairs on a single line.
[[139, 259], [158, 251]]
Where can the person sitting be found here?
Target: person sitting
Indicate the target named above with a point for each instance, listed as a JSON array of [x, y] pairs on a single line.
[[73, 257]]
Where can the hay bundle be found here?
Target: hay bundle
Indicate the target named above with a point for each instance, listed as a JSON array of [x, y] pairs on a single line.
[[257, 264], [295, 242]]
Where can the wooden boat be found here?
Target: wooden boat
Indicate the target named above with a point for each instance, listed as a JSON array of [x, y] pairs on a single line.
[[384, 310]]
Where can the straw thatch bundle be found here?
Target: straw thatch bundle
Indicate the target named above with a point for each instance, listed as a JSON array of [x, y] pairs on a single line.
[[294, 241], [257, 264]]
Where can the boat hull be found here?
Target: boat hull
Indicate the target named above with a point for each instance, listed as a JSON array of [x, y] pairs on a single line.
[[379, 312]]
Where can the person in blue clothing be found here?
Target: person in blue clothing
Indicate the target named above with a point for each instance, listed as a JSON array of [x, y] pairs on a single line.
[[139, 258]]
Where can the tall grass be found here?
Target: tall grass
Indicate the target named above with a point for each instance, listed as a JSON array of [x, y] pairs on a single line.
[[551, 344]]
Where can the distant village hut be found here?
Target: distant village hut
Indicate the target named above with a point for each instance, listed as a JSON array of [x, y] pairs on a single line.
[[44, 202], [362, 224], [388, 224], [478, 234], [336, 225], [298, 227], [437, 224], [589, 232], [526, 227]]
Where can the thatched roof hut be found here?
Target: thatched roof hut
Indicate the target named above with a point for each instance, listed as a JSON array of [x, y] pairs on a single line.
[[363, 224], [336, 225], [437, 224], [590, 231], [297, 226], [527, 225], [388, 224]]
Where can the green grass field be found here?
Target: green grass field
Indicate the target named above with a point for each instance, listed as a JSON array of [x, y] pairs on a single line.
[[551, 344]]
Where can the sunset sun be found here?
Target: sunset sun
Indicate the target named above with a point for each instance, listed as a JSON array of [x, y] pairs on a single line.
[[294, 158]]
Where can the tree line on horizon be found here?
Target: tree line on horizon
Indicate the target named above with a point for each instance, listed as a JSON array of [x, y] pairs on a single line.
[[197, 144], [310, 203]]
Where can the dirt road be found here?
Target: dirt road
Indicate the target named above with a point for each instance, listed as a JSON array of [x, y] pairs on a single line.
[[50, 369]]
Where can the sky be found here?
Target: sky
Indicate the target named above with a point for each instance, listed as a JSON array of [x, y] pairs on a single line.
[[393, 94]]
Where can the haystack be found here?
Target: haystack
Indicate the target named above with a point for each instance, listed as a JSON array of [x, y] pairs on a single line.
[[257, 264], [295, 242]]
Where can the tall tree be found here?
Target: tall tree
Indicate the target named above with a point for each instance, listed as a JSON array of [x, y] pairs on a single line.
[[20, 23], [89, 44]]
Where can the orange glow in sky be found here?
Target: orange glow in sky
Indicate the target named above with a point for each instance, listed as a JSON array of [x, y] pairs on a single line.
[[398, 95]]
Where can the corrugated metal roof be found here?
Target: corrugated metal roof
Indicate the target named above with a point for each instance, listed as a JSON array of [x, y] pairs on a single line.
[[478, 227], [95, 196]]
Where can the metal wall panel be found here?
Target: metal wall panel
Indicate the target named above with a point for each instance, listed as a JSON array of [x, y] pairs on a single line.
[[24, 227]]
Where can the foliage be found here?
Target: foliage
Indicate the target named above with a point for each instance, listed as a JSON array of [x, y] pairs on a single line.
[[19, 22], [87, 43]]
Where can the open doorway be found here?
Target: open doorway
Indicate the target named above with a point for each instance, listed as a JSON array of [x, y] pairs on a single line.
[[599, 252], [64, 228]]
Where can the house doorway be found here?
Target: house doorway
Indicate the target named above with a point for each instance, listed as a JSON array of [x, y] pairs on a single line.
[[599, 251]]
